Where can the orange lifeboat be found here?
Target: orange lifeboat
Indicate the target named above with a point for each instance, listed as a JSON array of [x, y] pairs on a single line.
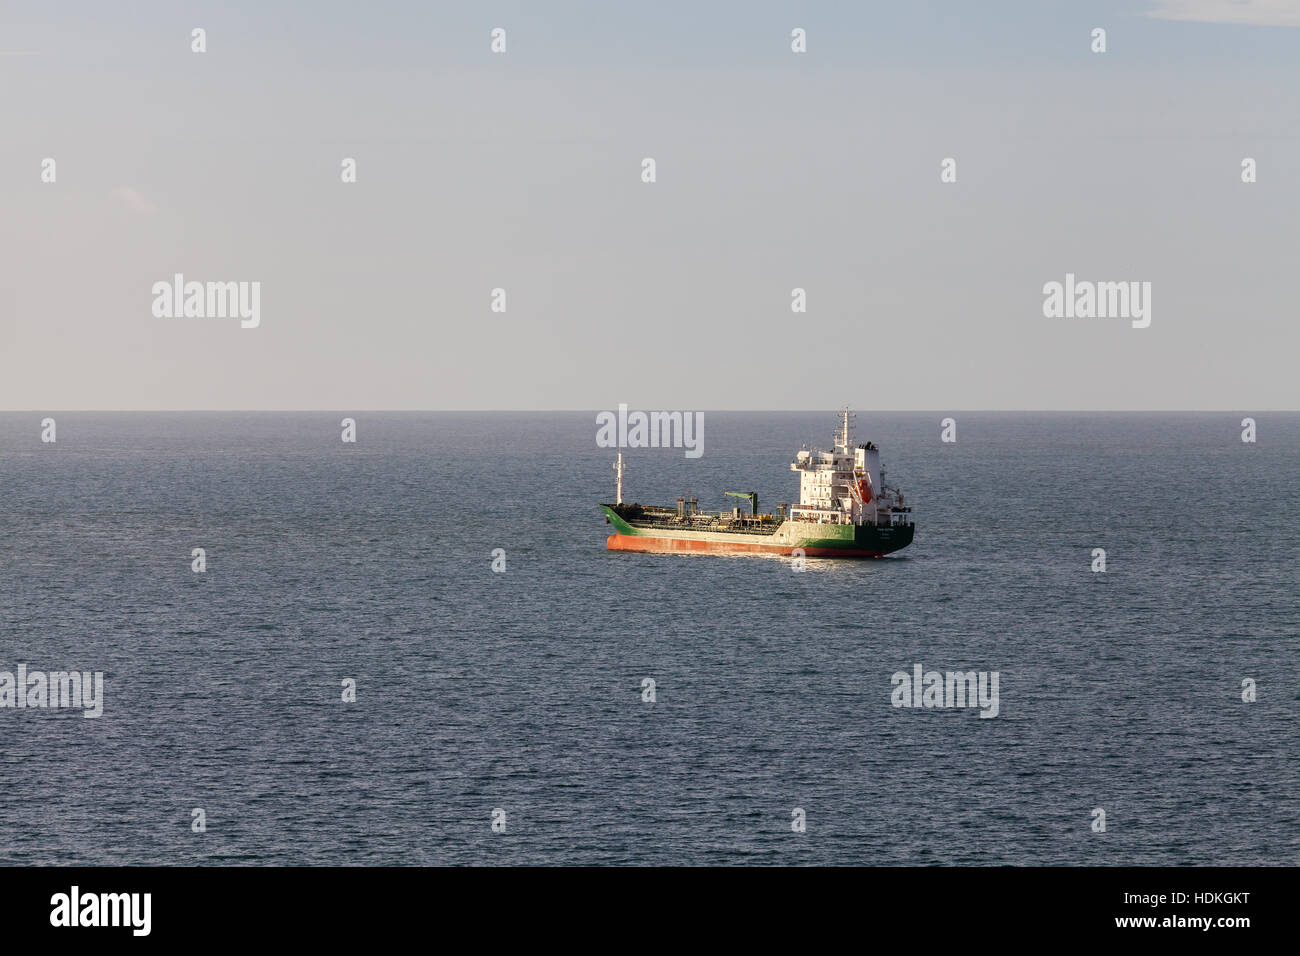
[[864, 490]]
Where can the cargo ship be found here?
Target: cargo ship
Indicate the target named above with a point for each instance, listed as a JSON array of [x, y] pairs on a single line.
[[845, 510]]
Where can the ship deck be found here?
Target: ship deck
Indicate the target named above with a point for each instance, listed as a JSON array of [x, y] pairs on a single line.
[[653, 518]]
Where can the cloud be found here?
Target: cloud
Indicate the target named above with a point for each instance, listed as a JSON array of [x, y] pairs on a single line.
[[1262, 13], [133, 201]]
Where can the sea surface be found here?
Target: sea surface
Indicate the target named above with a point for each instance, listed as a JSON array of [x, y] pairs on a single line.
[[522, 691]]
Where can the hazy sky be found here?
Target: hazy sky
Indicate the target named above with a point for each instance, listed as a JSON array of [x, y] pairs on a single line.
[[775, 170]]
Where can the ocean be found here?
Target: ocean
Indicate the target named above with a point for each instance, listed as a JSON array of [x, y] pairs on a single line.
[[518, 698]]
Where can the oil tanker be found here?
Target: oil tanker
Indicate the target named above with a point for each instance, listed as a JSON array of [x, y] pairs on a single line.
[[845, 510]]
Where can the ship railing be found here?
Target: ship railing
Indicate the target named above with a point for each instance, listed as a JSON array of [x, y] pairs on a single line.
[[705, 521], [815, 515]]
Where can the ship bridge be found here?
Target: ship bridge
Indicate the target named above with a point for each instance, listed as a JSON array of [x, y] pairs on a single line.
[[844, 485]]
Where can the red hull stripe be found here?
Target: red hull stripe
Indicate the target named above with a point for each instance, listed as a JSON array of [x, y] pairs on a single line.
[[624, 542]]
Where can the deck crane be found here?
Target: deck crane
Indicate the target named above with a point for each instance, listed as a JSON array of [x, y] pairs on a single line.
[[751, 495]]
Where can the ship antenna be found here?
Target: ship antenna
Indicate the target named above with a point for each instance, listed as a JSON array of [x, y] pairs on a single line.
[[618, 484], [845, 437]]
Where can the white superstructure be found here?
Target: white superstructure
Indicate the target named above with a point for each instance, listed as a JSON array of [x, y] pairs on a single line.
[[845, 485]]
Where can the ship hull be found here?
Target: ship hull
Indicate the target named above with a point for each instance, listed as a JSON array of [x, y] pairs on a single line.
[[789, 540], [664, 545]]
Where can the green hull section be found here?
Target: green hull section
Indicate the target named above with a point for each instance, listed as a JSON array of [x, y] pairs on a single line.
[[635, 532]]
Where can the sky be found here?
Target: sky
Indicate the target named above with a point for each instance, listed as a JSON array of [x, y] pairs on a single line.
[[775, 170]]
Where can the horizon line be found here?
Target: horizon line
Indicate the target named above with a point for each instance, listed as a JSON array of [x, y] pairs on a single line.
[[756, 411]]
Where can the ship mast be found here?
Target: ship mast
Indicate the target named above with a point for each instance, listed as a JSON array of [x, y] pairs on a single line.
[[844, 440], [618, 484]]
